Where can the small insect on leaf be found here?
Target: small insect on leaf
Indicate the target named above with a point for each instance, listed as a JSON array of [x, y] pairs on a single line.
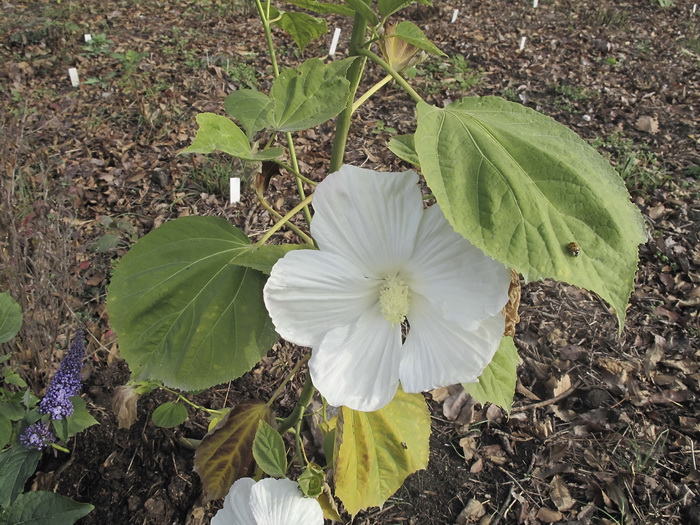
[[574, 249]]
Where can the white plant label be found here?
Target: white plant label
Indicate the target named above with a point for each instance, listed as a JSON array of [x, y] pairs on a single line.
[[522, 43], [334, 42], [534, 3], [88, 37], [73, 74], [235, 189], [454, 16]]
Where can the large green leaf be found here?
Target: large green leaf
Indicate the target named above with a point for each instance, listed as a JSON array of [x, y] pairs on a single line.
[[521, 187], [263, 258], [411, 33], [303, 28], [389, 7], [184, 315], [226, 453], [10, 317], [496, 384], [45, 508], [364, 10], [251, 108], [323, 8], [16, 465], [217, 133], [309, 95], [376, 451]]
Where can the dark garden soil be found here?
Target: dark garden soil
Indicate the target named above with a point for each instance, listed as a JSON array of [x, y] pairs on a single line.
[[605, 426]]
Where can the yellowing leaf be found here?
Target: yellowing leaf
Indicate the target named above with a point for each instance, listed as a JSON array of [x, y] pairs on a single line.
[[376, 451], [226, 453]]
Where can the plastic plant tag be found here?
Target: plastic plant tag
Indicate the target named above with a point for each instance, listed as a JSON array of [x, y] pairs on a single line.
[[334, 42], [454, 16], [235, 185], [88, 37], [73, 74], [534, 3], [522, 43]]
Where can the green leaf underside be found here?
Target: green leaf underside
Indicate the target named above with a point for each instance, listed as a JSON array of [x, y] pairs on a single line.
[[521, 187], [411, 33], [218, 133], [10, 317], [496, 384], [226, 453], [362, 9], [251, 108], [302, 27], [184, 315], [309, 95], [16, 465], [323, 8], [169, 415], [376, 451], [269, 451], [404, 147], [46, 508], [389, 7]]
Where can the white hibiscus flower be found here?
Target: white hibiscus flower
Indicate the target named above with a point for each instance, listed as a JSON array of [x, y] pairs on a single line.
[[268, 502], [383, 259]]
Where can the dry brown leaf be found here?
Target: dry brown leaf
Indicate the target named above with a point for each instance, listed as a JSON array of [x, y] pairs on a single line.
[[647, 124], [561, 497], [548, 515], [510, 310], [124, 402], [471, 513]]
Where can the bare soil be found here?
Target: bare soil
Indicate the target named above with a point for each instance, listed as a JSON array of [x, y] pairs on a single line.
[[605, 425]]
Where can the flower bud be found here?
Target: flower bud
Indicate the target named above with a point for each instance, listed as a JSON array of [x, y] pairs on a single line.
[[398, 53]]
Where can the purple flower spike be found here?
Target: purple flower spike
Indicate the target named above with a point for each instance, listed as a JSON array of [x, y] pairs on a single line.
[[37, 436], [66, 382]]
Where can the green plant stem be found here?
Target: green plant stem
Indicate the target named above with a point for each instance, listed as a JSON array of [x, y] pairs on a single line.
[[371, 91], [391, 71], [300, 184], [342, 123], [290, 375], [191, 403], [308, 240], [284, 220], [295, 173], [298, 412], [59, 447], [265, 18]]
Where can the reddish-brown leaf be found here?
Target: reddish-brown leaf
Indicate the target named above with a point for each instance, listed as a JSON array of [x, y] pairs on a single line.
[[226, 453]]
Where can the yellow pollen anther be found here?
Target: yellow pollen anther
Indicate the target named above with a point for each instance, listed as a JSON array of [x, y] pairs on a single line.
[[394, 299]]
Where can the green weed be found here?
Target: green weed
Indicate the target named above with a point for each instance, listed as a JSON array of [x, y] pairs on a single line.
[[638, 167]]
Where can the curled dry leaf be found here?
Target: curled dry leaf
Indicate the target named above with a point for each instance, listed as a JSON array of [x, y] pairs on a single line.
[[124, 403]]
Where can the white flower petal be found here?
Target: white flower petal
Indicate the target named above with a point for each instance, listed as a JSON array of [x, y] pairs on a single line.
[[358, 365], [279, 501], [236, 509], [311, 292], [461, 281], [442, 353], [368, 216]]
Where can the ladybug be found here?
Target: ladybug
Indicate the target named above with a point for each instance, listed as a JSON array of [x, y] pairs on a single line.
[[574, 249]]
